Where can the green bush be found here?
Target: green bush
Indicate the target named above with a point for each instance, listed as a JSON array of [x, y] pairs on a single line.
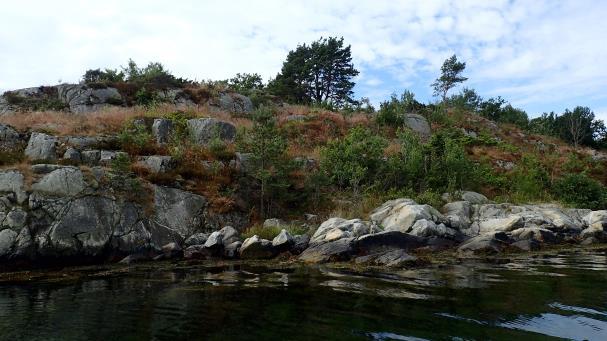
[[581, 191], [392, 112], [530, 179], [135, 138], [353, 160]]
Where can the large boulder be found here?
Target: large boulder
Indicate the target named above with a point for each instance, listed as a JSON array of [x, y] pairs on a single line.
[[235, 103], [485, 244], [41, 147], [179, 211], [469, 196], [388, 240], [7, 240], [337, 228], [401, 214], [419, 124], [197, 239], [426, 228], [9, 137], [157, 163], [501, 224], [333, 251], [162, 129], [65, 181], [256, 248], [12, 182], [85, 227], [458, 214], [84, 99], [203, 130], [283, 241]]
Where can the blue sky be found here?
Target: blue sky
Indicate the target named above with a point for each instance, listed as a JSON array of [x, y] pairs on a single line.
[[539, 55]]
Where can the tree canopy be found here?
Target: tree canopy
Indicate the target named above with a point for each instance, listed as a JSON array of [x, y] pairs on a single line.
[[321, 72], [450, 77]]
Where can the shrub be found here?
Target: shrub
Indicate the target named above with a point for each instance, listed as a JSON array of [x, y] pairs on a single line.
[[353, 160], [135, 139], [530, 178], [392, 112], [580, 191]]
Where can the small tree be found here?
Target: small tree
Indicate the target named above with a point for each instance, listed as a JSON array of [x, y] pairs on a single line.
[[268, 158], [245, 83], [450, 77]]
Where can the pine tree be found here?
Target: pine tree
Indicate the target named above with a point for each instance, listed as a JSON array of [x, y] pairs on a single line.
[[449, 78]]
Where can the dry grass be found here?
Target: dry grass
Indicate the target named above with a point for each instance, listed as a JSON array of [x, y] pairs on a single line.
[[107, 121]]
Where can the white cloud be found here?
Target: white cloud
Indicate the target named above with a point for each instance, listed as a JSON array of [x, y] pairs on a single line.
[[531, 52]]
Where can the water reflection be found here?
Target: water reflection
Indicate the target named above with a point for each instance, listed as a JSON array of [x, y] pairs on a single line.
[[522, 298]]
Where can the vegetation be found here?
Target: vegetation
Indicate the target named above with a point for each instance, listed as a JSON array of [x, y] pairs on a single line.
[[449, 78], [318, 73]]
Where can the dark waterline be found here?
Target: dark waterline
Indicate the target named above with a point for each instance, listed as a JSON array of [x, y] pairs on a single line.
[[562, 296]]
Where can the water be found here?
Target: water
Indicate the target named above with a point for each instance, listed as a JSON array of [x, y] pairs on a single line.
[[561, 296]]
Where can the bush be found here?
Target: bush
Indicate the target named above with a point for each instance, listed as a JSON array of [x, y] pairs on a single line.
[[580, 191], [530, 179], [353, 160], [392, 112], [135, 139]]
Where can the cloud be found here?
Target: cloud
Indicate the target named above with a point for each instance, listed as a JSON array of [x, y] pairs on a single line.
[[536, 54]]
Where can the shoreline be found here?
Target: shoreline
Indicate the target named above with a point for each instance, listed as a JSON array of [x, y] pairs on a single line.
[[73, 273]]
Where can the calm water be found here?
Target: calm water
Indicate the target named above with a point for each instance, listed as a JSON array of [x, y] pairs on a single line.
[[564, 296]]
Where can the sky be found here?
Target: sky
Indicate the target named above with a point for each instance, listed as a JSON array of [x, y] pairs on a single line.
[[539, 55]]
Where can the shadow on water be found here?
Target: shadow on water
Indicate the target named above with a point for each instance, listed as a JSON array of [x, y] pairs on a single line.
[[561, 296]]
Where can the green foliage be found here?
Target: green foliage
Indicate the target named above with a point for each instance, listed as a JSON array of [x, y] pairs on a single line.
[[530, 178], [316, 73], [393, 112], [135, 138], [353, 160], [246, 83], [121, 176], [449, 78], [10, 157], [431, 198], [97, 76], [180, 133], [581, 191], [47, 99], [578, 127], [448, 167], [219, 149], [268, 159]]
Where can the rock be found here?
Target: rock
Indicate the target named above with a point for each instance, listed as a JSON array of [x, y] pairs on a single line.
[[295, 118], [501, 224], [426, 228], [172, 250], [44, 168], [12, 181], [535, 233], [235, 103], [300, 243], [335, 251], [92, 142], [134, 258], [41, 147], [336, 228], [197, 252], [559, 219], [283, 241], [162, 129], [7, 240], [197, 239], [469, 196], [90, 157], [215, 241], [595, 231], [391, 258], [84, 227], [107, 156], [231, 250], [243, 162], [274, 222], [419, 124], [388, 240], [73, 155], [485, 243], [15, 219], [203, 130], [458, 214], [311, 218], [66, 181], [256, 248], [179, 211], [526, 245], [401, 214], [9, 137], [157, 163], [84, 99], [596, 219], [229, 235]]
